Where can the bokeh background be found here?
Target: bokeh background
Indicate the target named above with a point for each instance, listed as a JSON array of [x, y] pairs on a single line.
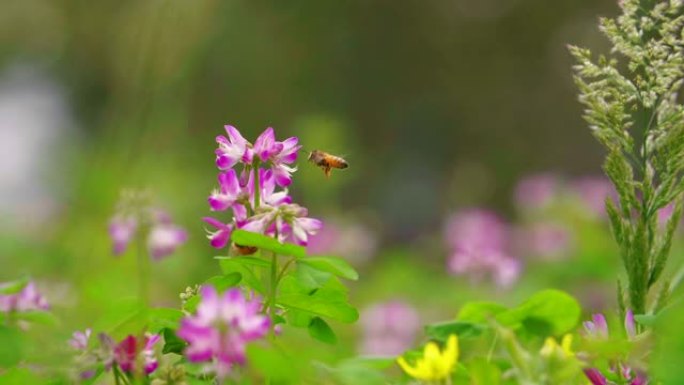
[[438, 105]]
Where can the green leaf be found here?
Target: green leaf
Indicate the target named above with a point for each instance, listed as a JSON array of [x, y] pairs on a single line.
[[334, 265], [311, 278], [20, 376], [11, 347], [191, 304], [222, 282], [249, 278], [172, 344], [320, 330], [14, 287], [246, 238], [483, 372], [480, 312], [646, 319], [321, 303], [248, 260], [271, 364], [298, 318], [442, 330], [38, 317], [328, 301], [164, 318], [546, 312]]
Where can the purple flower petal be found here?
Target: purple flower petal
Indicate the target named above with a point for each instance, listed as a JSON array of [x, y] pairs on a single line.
[[595, 376]]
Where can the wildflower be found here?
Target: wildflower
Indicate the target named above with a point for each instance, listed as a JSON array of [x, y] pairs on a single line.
[[593, 192], [597, 378], [545, 240], [127, 353], [164, 239], [434, 365], [480, 246], [630, 326], [232, 149], [353, 241], [598, 327], [236, 149], [122, 230], [222, 328], [27, 299], [135, 215], [228, 192], [551, 347], [79, 340], [275, 215], [536, 191], [389, 328]]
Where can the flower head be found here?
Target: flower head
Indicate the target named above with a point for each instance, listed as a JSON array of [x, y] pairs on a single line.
[[79, 340], [128, 352], [435, 365], [27, 299], [135, 215], [222, 327], [479, 241], [597, 327], [552, 348], [389, 328], [536, 191]]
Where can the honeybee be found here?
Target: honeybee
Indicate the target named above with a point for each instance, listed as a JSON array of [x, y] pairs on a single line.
[[327, 162]]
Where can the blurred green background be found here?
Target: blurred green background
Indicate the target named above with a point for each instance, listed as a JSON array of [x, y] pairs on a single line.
[[437, 105]]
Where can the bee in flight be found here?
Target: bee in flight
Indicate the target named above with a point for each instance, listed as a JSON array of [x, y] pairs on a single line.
[[327, 162]]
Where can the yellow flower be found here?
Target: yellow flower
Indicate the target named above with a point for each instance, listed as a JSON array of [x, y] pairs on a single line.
[[434, 365], [564, 349]]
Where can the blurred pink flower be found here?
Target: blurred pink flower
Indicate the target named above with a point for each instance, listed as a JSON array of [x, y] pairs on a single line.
[[134, 215], [222, 327], [389, 328], [79, 340], [480, 245], [536, 191], [126, 353], [27, 299], [593, 192], [164, 239], [354, 242], [546, 240]]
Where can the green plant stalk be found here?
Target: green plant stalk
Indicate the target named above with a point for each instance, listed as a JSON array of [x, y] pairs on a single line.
[[257, 188], [143, 261], [274, 292]]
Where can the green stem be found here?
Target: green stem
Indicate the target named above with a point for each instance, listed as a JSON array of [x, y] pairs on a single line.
[[257, 188], [284, 270], [274, 290], [143, 270]]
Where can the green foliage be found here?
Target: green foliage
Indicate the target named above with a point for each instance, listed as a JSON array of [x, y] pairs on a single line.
[[11, 349], [328, 301], [632, 108], [14, 287], [333, 265], [172, 344], [246, 238], [320, 330]]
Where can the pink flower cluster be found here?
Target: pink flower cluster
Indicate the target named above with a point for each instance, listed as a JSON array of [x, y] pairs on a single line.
[[163, 237], [264, 167], [126, 354], [222, 327], [479, 242], [389, 328], [27, 299], [597, 328]]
